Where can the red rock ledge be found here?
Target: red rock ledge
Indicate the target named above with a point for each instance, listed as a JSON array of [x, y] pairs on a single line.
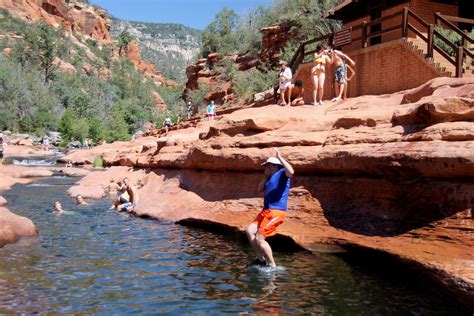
[[391, 173]]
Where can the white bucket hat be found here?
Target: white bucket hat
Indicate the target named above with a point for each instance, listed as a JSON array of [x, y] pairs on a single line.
[[273, 161]]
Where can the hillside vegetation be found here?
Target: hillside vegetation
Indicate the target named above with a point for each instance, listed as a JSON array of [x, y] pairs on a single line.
[[109, 102], [169, 46]]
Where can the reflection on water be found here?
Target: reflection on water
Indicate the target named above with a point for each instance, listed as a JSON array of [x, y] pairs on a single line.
[[93, 260]]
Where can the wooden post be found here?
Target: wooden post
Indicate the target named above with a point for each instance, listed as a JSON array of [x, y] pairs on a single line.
[[437, 14], [405, 22], [363, 36], [459, 58], [429, 51], [466, 45]]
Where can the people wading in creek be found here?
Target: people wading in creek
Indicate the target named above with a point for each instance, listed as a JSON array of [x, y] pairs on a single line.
[[275, 186]]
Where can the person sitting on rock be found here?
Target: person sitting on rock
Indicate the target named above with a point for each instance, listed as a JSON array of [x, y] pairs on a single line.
[[295, 93], [80, 200], [69, 164], [276, 186], [133, 198], [122, 195]]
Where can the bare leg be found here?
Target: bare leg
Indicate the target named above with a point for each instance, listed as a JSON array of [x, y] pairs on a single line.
[[266, 249], [340, 91], [252, 231], [116, 203], [321, 78], [282, 96], [315, 89]]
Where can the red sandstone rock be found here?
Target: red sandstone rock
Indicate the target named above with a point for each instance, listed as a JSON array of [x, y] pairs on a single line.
[[360, 180], [3, 202], [13, 227], [11, 175], [75, 16], [206, 70]]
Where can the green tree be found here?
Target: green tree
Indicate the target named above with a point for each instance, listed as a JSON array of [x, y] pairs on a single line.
[[219, 36], [124, 39], [197, 97]]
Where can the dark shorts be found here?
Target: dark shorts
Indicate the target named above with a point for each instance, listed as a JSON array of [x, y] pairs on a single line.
[[167, 125], [341, 73]]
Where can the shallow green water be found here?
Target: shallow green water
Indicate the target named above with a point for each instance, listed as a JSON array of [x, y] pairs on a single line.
[[98, 261]]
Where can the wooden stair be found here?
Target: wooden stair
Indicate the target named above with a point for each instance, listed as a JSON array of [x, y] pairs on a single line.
[[438, 61]]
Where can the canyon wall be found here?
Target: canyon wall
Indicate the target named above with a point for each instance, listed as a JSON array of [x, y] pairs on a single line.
[[391, 173]]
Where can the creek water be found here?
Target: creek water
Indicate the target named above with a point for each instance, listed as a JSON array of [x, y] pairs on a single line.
[[92, 260]]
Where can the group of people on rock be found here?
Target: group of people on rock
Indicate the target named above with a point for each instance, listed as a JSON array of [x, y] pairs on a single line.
[[210, 114], [293, 93]]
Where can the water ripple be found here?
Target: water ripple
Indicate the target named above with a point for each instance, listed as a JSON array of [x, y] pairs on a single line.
[[94, 261]]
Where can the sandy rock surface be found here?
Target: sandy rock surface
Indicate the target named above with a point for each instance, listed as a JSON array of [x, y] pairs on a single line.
[[13, 227]]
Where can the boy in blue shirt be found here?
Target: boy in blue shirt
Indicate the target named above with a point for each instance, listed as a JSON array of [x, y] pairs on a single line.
[[211, 110], [275, 186]]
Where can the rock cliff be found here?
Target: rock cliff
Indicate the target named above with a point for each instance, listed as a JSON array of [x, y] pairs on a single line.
[[171, 47], [75, 16], [82, 22], [375, 172]]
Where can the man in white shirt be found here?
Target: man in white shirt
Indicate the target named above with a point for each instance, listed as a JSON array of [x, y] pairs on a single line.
[[285, 81]]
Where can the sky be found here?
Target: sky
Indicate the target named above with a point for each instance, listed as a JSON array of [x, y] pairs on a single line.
[[193, 13]]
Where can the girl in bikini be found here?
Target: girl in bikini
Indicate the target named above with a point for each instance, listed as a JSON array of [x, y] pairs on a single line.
[[318, 73]]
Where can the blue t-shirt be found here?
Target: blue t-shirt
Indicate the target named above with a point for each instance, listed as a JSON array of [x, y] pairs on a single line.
[[277, 188], [211, 109]]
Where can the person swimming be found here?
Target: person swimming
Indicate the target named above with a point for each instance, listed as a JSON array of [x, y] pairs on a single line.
[[58, 207], [80, 200]]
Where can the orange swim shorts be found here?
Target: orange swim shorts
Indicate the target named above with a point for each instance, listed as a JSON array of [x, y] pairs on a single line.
[[268, 221]]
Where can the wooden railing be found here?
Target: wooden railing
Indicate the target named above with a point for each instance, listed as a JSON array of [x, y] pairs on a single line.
[[409, 21]]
